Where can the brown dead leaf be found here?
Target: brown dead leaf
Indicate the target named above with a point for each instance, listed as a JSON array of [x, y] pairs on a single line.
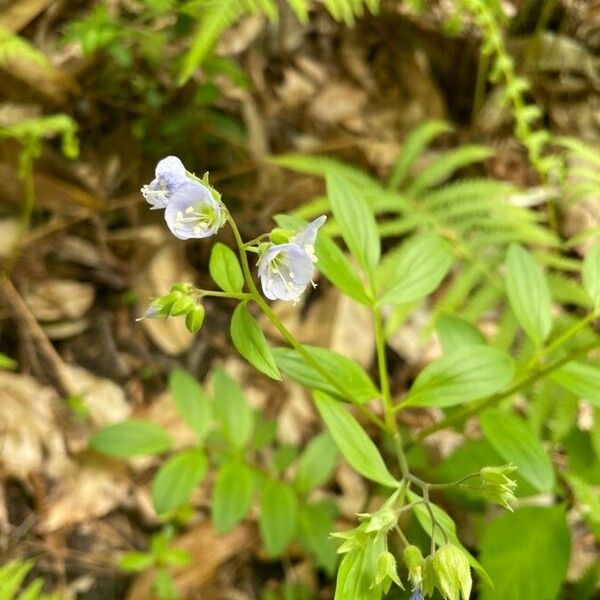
[[88, 489], [354, 491], [30, 436], [209, 551], [104, 399], [167, 266], [9, 231], [338, 102], [58, 299]]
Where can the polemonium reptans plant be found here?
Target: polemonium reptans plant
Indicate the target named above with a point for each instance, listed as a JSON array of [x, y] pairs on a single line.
[[470, 376]]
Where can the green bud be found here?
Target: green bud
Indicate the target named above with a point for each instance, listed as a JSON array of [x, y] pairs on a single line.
[[183, 287], [182, 306], [497, 474], [429, 580], [353, 538], [381, 521], [414, 561], [280, 236], [195, 318], [386, 572], [452, 573]]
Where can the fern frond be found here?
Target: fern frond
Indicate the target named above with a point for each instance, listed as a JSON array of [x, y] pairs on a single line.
[[14, 47], [40, 128], [216, 16], [446, 165], [12, 575], [412, 148]]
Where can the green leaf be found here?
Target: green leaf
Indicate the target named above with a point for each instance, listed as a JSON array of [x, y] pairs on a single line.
[[590, 271], [528, 293], [316, 463], [193, 405], [131, 438], [349, 375], [455, 332], [177, 479], [315, 523], [469, 373], [278, 516], [251, 343], [232, 409], [352, 440], [356, 221], [135, 561], [334, 265], [225, 268], [413, 270], [526, 554], [7, 363], [516, 443], [232, 494], [582, 379], [415, 143]]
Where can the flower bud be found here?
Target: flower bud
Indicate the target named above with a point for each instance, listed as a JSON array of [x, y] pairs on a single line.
[[496, 486], [497, 475], [195, 318], [381, 521], [414, 561], [452, 573], [280, 236], [386, 572]]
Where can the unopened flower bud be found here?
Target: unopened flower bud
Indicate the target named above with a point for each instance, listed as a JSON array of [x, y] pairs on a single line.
[[414, 561], [452, 572], [386, 572], [195, 318]]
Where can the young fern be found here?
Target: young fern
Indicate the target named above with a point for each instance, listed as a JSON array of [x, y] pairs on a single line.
[[12, 575], [217, 15]]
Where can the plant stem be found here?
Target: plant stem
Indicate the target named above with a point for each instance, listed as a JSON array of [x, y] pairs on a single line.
[[287, 335], [384, 380], [484, 403], [216, 294], [564, 337]]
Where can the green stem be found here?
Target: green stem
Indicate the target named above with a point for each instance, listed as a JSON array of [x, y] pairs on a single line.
[[216, 294], [384, 380], [493, 399], [287, 335], [564, 337]]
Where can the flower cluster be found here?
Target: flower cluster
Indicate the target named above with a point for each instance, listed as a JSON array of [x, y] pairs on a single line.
[[193, 210]]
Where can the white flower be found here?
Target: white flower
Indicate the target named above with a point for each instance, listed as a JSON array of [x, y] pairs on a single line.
[[286, 269], [170, 176], [193, 212]]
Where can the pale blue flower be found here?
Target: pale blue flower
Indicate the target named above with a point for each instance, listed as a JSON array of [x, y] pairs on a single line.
[[170, 175], [193, 212], [286, 269], [417, 594]]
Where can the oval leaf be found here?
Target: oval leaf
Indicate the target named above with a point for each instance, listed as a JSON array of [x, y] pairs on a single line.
[[352, 440], [526, 554], [177, 479], [251, 343], [131, 438], [232, 409], [590, 272], [316, 463], [225, 268], [193, 405], [349, 375], [414, 270], [581, 379], [528, 293], [516, 443], [356, 221], [232, 494], [469, 373], [278, 516]]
